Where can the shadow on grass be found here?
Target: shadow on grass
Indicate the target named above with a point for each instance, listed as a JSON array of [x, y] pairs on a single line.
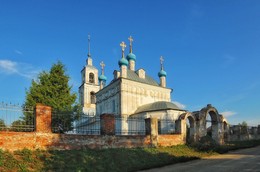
[[118, 159]]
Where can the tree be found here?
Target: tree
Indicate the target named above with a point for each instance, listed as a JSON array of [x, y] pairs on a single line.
[[18, 125], [52, 89], [243, 127], [2, 125]]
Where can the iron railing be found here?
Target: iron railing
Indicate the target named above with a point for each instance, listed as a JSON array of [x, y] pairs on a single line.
[[129, 125], [166, 126], [72, 123], [17, 118]]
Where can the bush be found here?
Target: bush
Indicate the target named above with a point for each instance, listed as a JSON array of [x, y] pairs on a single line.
[[205, 143]]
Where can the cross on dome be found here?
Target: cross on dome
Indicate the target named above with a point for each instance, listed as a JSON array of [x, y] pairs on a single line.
[[102, 64], [161, 60], [123, 45], [131, 41]]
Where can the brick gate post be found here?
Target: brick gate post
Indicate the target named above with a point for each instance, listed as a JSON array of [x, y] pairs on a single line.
[[43, 119], [151, 128], [108, 124]]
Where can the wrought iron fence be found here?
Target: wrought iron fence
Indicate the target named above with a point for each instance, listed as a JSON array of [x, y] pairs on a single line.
[[17, 118], [166, 126], [87, 125], [129, 125], [72, 123]]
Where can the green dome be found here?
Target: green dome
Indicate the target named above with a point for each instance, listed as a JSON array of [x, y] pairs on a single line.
[[102, 78], [162, 73], [131, 56], [123, 61]]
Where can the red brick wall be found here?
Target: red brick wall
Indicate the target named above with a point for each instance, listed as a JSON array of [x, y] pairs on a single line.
[[170, 140], [32, 140], [107, 124], [43, 138]]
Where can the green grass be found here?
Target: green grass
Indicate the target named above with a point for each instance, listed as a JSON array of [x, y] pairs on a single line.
[[120, 159]]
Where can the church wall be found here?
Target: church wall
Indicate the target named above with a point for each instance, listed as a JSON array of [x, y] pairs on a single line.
[[135, 94], [107, 99], [89, 79], [167, 117]]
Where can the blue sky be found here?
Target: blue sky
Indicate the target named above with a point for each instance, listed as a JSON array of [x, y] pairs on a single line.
[[211, 48]]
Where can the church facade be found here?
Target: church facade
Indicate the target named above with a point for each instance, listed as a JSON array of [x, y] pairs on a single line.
[[134, 94], [131, 92]]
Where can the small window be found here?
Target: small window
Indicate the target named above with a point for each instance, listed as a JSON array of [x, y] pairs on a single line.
[[91, 78]]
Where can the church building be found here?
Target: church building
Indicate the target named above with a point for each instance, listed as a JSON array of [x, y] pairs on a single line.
[[131, 93]]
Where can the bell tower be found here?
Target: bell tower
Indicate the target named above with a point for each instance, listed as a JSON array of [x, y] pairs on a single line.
[[89, 85]]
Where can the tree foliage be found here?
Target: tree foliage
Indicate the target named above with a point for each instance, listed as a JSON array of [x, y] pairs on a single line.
[[51, 89], [2, 125], [243, 127]]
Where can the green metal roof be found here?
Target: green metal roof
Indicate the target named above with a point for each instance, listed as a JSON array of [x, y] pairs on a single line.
[[147, 80], [161, 105]]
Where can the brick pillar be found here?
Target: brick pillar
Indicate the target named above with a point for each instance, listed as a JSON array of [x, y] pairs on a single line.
[[151, 128], [43, 118], [108, 124]]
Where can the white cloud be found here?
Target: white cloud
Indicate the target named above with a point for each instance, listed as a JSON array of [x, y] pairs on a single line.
[[180, 105], [22, 69], [228, 113], [8, 66]]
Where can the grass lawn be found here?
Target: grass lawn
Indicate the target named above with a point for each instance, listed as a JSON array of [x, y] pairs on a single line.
[[120, 159]]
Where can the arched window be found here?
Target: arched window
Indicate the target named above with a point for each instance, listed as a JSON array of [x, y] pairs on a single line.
[[92, 98], [91, 78]]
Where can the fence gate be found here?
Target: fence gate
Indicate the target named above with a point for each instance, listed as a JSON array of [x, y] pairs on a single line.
[[16, 118]]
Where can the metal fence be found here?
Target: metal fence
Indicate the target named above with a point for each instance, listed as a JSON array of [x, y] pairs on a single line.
[[73, 123], [129, 126], [16, 118], [166, 126], [65, 122], [87, 125]]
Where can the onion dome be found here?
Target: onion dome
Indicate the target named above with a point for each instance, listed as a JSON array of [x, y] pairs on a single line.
[[162, 73], [131, 56], [122, 62], [102, 78]]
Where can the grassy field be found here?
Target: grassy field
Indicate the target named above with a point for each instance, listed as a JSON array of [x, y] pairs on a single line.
[[110, 159]]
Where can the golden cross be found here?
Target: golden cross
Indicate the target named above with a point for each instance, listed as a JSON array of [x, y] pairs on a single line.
[[131, 40], [102, 64], [123, 45], [161, 60]]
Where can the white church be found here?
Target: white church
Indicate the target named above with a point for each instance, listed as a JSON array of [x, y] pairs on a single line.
[[131, 93]]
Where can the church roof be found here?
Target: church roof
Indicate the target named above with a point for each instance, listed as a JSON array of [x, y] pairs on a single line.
[[156, 106], [132, 75]]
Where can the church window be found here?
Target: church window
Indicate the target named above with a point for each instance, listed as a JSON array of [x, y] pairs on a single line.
[[83, 77], [92, 98], [91, 78]]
